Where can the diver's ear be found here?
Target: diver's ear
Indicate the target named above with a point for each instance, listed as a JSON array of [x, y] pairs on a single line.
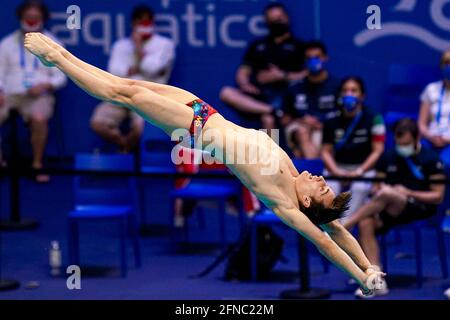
[[305, 201]]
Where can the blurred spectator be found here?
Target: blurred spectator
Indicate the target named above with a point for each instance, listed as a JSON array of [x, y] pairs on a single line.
[[434, 117], [146, 55], [269, 65], [26, 85], [406, 195], [353, 142], [309, 102]]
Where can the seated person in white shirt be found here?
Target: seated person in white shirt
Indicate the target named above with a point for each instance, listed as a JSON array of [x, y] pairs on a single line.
[[26, 85], [146, 55], [434, 116]]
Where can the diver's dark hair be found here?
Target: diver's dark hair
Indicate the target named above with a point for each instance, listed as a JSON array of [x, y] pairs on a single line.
[[25, 5], [319, 214]]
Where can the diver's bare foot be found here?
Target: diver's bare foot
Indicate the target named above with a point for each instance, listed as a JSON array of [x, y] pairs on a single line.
[[51, 43], [40, 49]]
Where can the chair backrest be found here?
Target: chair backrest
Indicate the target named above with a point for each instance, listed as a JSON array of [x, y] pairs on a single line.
[[314, 166], [104, 162], [228, 180], [446, 224], [405, 84], [104, 190], [412, 75], [156, 149]]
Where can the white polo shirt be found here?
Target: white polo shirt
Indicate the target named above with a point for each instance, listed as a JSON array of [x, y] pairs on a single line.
[[156, 65], [19, 69], [432, 95]]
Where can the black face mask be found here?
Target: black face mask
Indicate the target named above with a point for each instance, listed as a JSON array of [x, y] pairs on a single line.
[[277, 29]]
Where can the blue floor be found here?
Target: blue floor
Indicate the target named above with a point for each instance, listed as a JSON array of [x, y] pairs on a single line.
[[165, 275]]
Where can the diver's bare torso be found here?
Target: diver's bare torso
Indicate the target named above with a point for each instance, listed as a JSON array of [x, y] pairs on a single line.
[[270, 176]]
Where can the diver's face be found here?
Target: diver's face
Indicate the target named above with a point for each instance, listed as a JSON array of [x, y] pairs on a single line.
[[314, 187]]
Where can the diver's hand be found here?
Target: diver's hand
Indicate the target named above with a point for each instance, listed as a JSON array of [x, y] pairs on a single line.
[[374, 281]]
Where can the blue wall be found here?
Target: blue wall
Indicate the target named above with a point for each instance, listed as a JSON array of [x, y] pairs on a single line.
[[210, 48]]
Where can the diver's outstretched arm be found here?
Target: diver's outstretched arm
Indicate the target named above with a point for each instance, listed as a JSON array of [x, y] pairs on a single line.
[[299, 222]]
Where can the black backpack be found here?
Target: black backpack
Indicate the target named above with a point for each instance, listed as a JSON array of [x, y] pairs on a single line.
[[270, 246]]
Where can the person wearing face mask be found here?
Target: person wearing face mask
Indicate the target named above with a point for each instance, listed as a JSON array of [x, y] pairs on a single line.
[[434, 116], [353, 141], [145, 55], [406, 195], [26, 85], [309, 103], [269, 66]]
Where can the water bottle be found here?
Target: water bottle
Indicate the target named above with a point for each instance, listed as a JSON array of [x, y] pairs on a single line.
[[55, 258]]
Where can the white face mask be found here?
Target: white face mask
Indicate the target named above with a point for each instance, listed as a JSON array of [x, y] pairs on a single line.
[[405, 151], [145, 29]]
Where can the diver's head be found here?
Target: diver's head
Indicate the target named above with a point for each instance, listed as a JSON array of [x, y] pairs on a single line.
[[318, 201]]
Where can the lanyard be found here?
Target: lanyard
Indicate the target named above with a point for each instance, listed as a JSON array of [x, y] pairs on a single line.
[[414, 169], [23, 63], [440, 102], [349, 131]]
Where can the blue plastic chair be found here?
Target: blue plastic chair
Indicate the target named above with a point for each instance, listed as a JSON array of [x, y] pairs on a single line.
[[446, 223], [217, 190], [268, 218], [105, 198], [156, 149], [416, 227], [437, 223], [405, 84]]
